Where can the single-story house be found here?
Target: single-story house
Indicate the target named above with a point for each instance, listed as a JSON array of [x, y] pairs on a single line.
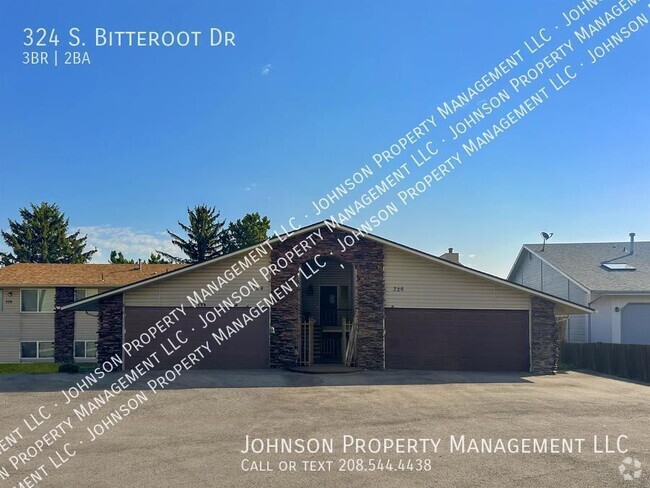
[[613, 278], [329, 293], [30, 293]]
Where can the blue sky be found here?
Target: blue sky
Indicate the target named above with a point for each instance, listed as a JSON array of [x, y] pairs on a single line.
[[309, 93]]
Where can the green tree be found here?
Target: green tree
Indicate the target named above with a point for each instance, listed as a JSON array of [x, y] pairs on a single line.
[[42, 237], [251, 229], [157, 259], [204, 236], [118, 258]]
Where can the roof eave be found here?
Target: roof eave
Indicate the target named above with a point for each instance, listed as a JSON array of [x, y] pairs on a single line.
[[621, 292], [580, 309], [56, 285], [514, 265], [574, 309], [567, 276]]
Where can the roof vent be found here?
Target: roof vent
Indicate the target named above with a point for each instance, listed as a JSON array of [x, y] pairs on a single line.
[[618, 266], [450, 255], [632, 234]]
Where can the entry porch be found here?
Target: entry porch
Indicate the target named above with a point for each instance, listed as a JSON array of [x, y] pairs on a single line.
[[336, 315]]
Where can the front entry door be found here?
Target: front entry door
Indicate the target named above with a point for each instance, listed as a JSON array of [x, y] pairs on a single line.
[[328, 306], [331, 337]]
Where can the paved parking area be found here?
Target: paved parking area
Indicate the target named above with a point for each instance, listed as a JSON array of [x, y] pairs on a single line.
[[192, 435]]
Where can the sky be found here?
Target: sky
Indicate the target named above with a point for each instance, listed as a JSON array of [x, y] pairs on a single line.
[[308, 94]]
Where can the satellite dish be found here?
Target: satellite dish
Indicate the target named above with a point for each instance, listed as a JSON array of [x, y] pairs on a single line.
[[546, 236]]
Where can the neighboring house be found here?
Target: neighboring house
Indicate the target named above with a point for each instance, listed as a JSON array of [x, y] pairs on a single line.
[[298, 299], [30, 292], [613, 278]]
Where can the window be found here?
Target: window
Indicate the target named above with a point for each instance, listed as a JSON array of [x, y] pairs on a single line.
[[81, 293], [28, 350], [36, 350], [85, 349], [619, 266], [46, 349], [34, 300]]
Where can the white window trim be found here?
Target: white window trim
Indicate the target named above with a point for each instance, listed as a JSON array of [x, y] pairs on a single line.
[[38, 350], [21, 302]]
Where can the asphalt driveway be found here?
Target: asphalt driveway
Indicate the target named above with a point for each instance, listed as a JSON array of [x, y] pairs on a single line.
[[192, 434]]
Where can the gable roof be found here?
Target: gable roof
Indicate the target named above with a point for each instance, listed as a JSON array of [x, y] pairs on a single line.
[[79, 275], [567, 306], [582, 263]]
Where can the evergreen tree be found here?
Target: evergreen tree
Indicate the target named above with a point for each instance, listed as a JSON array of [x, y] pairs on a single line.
[[157, 259], [42, 237], [118, 258], [245, 232], [204, 236]]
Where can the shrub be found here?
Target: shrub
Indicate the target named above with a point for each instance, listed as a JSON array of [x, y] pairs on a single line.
[[68, 368]]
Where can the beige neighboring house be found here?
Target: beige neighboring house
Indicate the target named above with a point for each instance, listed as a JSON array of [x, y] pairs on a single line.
[[30, 292]]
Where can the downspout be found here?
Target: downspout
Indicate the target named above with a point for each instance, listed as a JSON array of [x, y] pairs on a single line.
[[568, 317], [123, 334], [589, 316], [530, 338]]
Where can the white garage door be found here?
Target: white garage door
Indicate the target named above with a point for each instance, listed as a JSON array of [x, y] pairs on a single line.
[[635, 324]]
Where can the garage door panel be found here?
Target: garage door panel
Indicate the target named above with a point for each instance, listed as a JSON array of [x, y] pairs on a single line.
[[635, 323], [247, 349], [465, 340]]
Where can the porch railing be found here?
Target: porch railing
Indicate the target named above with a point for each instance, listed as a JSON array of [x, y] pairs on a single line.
[[336, 317], [348, 344], [350, 332], [306, 343]]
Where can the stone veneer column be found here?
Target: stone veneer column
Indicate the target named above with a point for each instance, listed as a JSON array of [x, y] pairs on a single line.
[[545, 337], [368, 258], [370, 305], [109, 329], [63, 326]]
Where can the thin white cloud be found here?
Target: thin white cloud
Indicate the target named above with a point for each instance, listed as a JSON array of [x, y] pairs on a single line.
[[266, 69], [250, 187], [132, 243], [471, 256]]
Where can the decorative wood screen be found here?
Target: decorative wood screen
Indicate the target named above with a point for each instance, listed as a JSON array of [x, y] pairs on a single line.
[[351, 330], [306, 343]]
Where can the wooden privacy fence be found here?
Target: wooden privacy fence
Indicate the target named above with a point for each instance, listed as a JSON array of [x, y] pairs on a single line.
[[625, 360]]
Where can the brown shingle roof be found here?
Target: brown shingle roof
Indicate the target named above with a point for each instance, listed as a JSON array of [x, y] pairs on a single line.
[[96, 275]]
